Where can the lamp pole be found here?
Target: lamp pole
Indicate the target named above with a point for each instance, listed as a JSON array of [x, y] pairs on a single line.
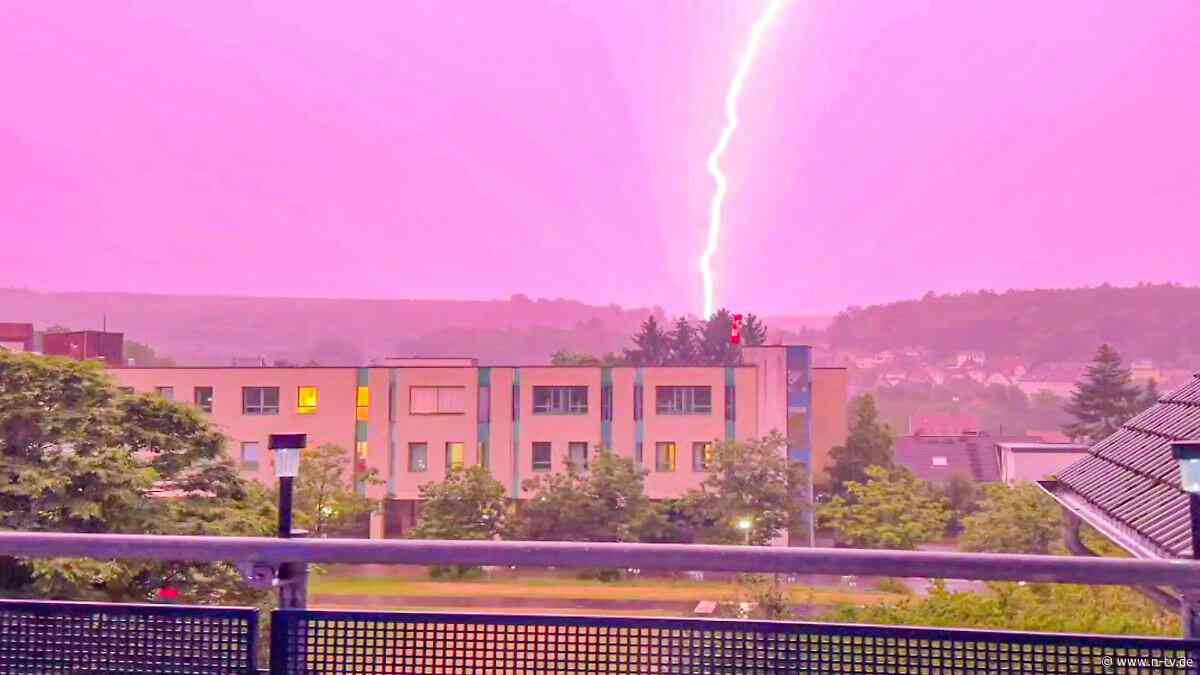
[[292, 578], [1187, 454]]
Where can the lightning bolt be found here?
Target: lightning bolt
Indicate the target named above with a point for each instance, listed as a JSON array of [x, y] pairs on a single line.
[[714, 158]]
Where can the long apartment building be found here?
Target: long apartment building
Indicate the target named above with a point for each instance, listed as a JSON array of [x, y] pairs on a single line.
[[410, 420]]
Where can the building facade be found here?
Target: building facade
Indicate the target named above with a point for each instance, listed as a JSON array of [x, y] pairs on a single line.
[[410, 420]]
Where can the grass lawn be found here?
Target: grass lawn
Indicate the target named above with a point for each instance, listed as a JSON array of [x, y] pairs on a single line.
[[681, 590]]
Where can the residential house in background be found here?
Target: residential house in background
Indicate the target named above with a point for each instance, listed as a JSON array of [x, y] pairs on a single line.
[[939, 458], [1057, 378]]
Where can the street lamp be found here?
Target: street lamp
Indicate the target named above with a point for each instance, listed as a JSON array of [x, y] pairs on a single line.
[[1187, 453], [293, 577], [744, 524], [287, 448]]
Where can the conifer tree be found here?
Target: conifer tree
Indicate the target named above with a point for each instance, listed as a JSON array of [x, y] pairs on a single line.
[[1103, 399]]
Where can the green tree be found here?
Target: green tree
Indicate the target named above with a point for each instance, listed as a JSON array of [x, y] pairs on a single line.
[[605, 502], [1058, 608], [754, 331], [748, 480], [77, 456], [868, 444], [467, 504], [1103, 399], [962, 495], [326, 502], [716, 345], [566, 357], [652, 347], [893, 510], [1020, 519], [683, 338]]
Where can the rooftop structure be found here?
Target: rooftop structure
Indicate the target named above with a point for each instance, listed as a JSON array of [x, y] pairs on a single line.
[[86, 344], [1024, 462], [1128, 485], [16, 337]]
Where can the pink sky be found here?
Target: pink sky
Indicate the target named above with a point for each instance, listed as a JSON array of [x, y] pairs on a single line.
[[478, 149]]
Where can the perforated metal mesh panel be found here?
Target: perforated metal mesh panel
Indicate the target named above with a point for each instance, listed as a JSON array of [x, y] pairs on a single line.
[[76, 637], [393, 642]]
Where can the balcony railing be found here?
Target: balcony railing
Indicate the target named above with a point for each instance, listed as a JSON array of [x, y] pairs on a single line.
[[78, 638]]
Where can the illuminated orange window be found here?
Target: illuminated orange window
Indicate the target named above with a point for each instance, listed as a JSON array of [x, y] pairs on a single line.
[[362, 403], [306, 400], [456, 455]]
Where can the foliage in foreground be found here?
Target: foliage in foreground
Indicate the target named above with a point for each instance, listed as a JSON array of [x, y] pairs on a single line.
[[893, 510], [1020, 519], [747, 480], [76, 455], [326, 502], [1060, 608]]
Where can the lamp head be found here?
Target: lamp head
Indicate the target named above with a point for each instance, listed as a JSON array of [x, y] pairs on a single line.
[[1187, 454], [287, 449]]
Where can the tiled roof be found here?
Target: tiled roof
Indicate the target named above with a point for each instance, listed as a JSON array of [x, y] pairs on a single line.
[[1131, 480], [972, 456]]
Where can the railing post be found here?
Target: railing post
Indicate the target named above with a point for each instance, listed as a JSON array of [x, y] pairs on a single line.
[[293, 580]]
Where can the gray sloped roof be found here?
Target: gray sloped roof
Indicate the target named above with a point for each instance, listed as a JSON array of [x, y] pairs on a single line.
[[1128, 483]]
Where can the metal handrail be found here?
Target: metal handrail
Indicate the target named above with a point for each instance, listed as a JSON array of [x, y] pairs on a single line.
[[1182, 574]]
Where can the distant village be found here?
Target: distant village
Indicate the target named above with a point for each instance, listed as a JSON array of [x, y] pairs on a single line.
[[913, 368]]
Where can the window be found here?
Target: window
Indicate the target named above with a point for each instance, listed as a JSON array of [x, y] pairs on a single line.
[[203, 398], [578, 453], [484, 459], [306, 400], [665, 455], [128, 391], [730, 404], [639, 454], [702, 455], [516, 402], [606, 403], [456, 456], [683, 400], [638, 408], [362, 403], [560, 400], [940, 461], [437, 400], [541, 457], [418, 457], [166, 392], [250, 455], [260, 400]]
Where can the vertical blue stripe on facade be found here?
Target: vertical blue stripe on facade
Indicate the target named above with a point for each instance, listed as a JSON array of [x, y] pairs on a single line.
[[606, 407], [731, 391], [484, 427], [392, 417], [799, 417], [516, 434], [639, 427]]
